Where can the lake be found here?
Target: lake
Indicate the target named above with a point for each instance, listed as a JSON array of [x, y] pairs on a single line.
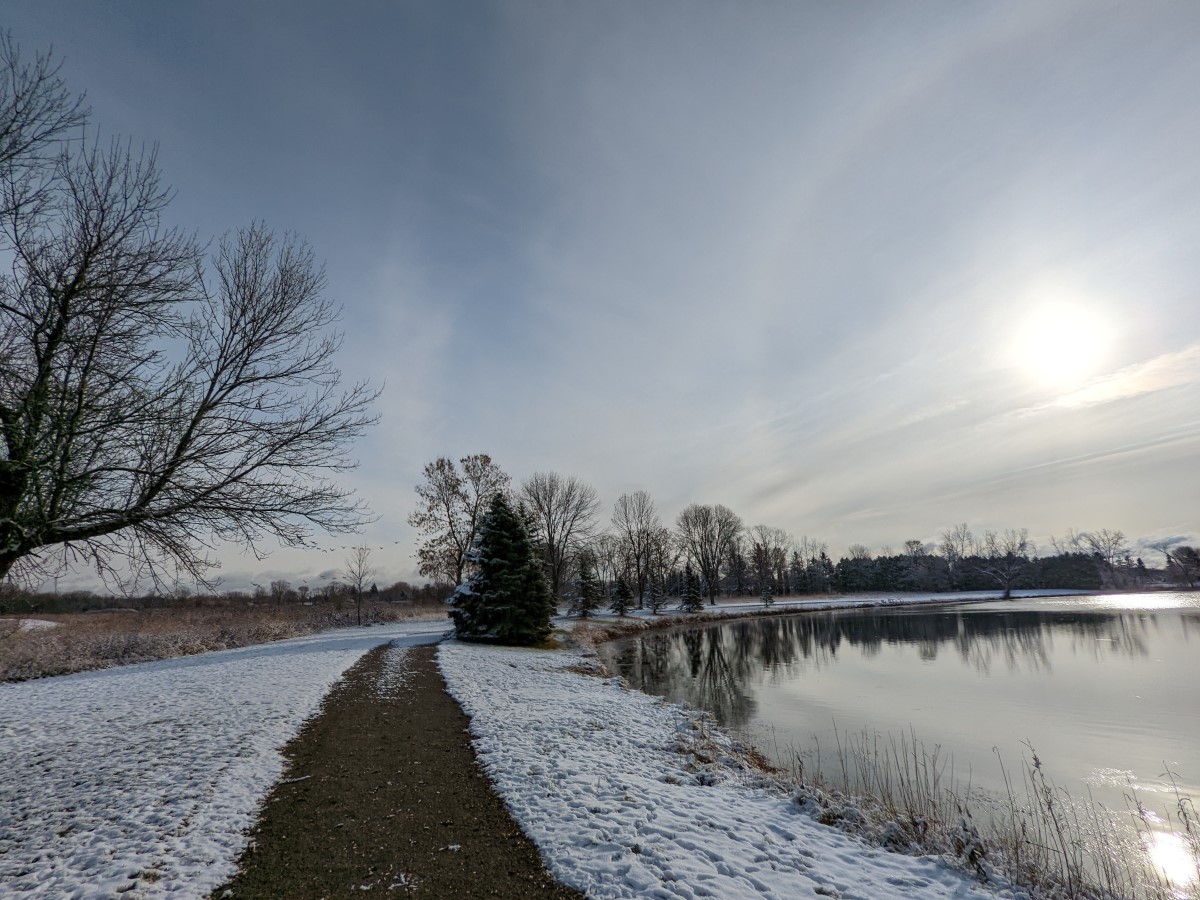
[[1103, 688]]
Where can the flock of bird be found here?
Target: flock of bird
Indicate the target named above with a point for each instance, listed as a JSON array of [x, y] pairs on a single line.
[[340, 549]]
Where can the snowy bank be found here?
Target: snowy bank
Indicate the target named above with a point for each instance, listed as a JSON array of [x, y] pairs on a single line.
[[141, 780], [741, 607], [629, 796]]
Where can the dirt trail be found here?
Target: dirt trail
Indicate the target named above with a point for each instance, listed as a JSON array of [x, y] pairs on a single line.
[[382, 793]]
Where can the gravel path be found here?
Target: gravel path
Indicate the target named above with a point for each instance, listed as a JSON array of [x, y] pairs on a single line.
[[382, 792]]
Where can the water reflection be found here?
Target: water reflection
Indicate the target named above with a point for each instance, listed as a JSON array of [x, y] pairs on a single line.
[[718, 667], [1106, 696]]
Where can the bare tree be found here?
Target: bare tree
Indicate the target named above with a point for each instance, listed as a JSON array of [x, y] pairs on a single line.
[[356, 572], [769, 548], [279, 591], [452, 504], [706, 532], [1072, 542], [150, 408], [665, 555], [1110, 546], [36, 112], [636, 523], [607, 553], [957, 543], [1005, 557], [1183, 564], [564, 513]]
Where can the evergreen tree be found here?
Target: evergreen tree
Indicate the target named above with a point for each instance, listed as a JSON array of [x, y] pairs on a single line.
[[622, 600], [588, 595], [691, 599], [656, 596], [768, 594], [506, 600]]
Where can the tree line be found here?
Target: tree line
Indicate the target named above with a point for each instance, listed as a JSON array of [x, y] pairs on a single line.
[[635, 559]]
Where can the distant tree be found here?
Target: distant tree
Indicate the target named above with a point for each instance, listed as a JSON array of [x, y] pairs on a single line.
[[279, 591], [588, 595], [768, 594], [622, 598], [451, 504], [1110, 545], [769, 549], [958, 543], [1183, 565], [1005, 558], [691, 600], [564, 511], [706, 532], [356, 572], [608, 553], [656, 596], [1112, 550], [636, 524], [506, 599], [798, 574], [665, 555]]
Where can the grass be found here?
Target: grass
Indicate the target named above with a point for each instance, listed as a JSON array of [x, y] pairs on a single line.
[[904, 795], [100, 640]]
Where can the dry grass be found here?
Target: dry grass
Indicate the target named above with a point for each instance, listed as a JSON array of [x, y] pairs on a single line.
[[901, 794], [101, 640]]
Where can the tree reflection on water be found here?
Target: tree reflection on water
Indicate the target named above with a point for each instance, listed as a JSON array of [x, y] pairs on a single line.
[[716, 667]]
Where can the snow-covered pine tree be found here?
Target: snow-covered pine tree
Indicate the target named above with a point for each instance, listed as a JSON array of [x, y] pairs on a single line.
[[506, 601], [622, 600], [768, 594], [588, 595], [691, 599]]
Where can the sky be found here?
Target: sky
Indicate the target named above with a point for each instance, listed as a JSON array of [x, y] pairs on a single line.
[[861, 271]]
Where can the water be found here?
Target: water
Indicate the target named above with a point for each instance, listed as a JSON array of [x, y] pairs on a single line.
[[1103, 688]]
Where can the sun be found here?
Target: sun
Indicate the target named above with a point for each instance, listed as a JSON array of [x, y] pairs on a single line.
[[1060, 345]]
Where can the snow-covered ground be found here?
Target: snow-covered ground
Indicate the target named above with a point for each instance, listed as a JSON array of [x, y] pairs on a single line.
[[629, 796], [740, 606], [143, 779]]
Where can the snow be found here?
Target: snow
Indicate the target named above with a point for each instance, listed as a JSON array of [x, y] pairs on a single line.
[[629, 796], [727, 607], [142, 780], [33, 624]]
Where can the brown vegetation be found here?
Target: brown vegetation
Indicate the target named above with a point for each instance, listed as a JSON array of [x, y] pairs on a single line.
[[103, 639]]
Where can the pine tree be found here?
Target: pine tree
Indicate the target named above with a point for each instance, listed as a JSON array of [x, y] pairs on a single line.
[[588, 595], [768, 594], [622, 600], [691, 600], [506, 601], [656, 597]]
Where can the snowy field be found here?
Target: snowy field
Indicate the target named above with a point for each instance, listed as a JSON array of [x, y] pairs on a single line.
[[628, 796], [140, 781]]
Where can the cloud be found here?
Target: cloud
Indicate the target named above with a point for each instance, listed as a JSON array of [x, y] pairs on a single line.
[[1168, 370]]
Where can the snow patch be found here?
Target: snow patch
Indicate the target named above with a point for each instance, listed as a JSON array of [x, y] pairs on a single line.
[[143, 780], [629, 796], [34, 624]]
